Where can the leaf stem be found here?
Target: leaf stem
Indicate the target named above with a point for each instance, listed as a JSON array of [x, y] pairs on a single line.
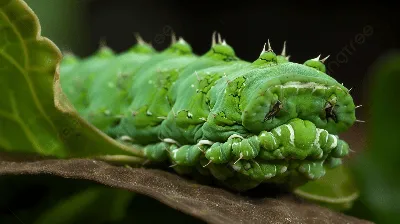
[[135, 150]]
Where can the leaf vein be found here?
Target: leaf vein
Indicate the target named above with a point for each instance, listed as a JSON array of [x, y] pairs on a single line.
[[4, 143], [26, 59], [30, 85], [7, 115], [21, 123]]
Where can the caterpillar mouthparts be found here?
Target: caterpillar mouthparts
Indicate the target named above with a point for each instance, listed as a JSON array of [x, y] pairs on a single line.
[[241, 123]]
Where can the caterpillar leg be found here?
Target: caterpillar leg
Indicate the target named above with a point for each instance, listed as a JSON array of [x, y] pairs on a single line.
[[221, 172], [292, 153], [333, 162], [299, 140], [186, 155], [313, 170], [294, 150], [157, 152], [236, 147], [259, 170]]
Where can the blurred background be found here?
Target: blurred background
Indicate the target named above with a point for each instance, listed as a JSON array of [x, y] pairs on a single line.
[[355, 36]]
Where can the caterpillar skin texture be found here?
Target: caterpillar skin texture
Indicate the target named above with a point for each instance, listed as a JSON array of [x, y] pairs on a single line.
[[242, 123]]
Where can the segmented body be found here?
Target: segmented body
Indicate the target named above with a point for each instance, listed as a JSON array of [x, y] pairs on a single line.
[[243, 123]]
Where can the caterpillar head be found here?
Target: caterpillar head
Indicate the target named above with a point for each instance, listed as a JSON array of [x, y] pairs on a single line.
[[290, 90], [286, 117]]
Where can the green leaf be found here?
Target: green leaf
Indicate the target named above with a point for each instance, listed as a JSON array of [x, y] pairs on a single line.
[[35, 116], [335, 190], [377, 169], [94, 205]]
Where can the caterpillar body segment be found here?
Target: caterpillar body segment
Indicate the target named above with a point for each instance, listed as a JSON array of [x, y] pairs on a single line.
[[218, 54], [68, 63], [303, 92], [109, 95], [155, 90], [77, 81], [242, 123], [150, 103], [187, 116]]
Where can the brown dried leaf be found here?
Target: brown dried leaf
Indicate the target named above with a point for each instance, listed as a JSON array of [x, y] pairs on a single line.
[[213, 205]]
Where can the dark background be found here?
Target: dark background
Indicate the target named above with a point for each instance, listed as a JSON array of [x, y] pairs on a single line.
[[354, 35]]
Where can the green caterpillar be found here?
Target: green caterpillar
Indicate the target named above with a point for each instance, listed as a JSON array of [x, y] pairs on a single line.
[[242, 123]]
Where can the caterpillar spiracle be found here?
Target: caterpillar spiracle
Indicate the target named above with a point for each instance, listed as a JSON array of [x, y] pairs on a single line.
[[242, 123]]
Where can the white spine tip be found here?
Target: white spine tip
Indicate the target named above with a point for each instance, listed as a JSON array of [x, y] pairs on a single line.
[[263, 50], [324, 59], [138, 38], [240, 157], [284, 49], [181, 40], [224, 42], [173, 38], [358, 106], [170, 140], [235, 136], [360, 121], [205, 142], [219, 38], [126, 138], [213, 39], [209, 162], [317, 58], [269, 46]]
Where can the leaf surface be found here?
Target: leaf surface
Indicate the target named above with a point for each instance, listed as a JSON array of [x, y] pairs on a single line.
[[336, 189], [35, 115]]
